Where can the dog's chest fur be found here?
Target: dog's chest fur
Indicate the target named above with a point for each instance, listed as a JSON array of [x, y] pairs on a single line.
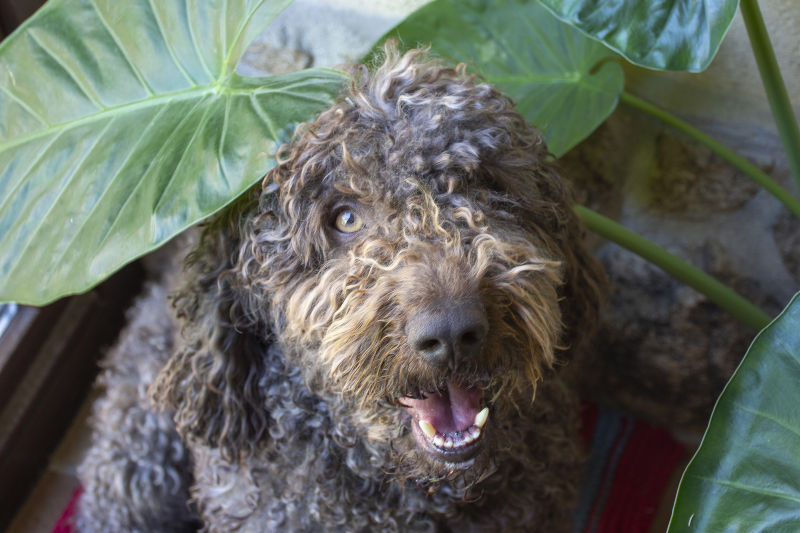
[[318, 471]]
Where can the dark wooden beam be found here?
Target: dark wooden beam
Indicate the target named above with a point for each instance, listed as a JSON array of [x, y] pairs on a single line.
[[48, 361]]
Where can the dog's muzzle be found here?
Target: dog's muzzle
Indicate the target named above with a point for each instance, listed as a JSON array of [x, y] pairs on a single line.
[[449, 423]]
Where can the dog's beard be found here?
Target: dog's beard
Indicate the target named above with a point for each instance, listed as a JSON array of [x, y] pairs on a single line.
[[431, 422], [451, 401], [448, 426]]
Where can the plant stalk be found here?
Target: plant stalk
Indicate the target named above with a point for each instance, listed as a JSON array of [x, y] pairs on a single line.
[[778, 97], [752, 171], [723, 296]]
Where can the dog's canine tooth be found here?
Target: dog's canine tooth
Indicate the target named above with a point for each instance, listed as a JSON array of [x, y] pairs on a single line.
[[427, 428], [481, 417]]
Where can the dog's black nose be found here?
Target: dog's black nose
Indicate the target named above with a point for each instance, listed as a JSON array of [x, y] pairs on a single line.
[[450, 334]]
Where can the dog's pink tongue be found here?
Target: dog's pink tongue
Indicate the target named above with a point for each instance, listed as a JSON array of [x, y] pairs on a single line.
[[449, 412]]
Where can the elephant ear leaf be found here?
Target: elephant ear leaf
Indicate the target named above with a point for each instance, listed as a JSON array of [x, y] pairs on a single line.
[[746, 474], [123, 123], [559, 79], [658, 34]]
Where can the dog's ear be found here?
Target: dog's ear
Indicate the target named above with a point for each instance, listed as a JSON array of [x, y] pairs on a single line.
[[547, 205], [584, 279], [212, 379]]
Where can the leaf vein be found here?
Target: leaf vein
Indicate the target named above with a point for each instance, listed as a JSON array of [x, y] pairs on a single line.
[[170, 49], [165, 144], [123, 51], [769, 416], [90, 95], [753, 489], [297, 96], [65, 185], [238, 36], [791, 351], [223, 34], [543, 38], [197, 131], [194, 42], [222, 136], [264, 116], [24, 105], [193, 92], [114, 178], [10, 196], [502, 43]]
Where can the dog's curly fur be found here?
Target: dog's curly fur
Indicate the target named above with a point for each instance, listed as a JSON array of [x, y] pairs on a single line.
[[288, 370]]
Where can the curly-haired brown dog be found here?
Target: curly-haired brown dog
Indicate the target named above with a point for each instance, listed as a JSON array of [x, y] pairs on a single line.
[[371, 341]]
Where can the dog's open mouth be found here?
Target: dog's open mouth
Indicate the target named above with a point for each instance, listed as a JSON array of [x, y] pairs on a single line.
[[449, 423]]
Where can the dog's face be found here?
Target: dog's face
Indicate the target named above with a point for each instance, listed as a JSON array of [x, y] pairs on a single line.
[[413, 252], [414, 257], [428, 305]]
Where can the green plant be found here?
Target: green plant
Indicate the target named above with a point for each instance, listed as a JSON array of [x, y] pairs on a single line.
[[125, 123], [122, 126], [744, 477]]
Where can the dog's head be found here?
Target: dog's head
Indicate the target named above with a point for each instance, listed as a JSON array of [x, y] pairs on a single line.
[[413, 255]]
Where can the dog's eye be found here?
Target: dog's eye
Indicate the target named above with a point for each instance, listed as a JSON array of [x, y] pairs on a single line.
[[348, 221]]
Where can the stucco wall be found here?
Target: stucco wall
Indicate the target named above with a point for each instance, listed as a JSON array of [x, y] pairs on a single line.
[[730, 89]]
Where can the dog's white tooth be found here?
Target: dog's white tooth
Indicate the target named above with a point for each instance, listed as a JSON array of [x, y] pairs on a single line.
[[427, 428], [448, 442], [480, 418], [438, 440], [472, 434]]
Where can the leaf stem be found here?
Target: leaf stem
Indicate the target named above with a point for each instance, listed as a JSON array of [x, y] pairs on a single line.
[[777, 95], [723, 296], [752, 171]]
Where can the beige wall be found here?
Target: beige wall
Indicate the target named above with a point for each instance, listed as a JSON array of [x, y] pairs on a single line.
[[730, 89]]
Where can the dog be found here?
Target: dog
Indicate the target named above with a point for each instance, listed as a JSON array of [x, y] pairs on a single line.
[[375, 339]]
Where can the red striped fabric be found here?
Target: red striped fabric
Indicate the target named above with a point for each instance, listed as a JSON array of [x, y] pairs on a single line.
[[629, 466], [64, 524]]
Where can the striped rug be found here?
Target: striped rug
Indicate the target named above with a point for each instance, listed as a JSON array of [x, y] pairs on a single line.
[[630, 463]]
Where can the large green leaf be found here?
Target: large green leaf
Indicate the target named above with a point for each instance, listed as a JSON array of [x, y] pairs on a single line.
[[746, 475], [546, 66], [659, 34], [123, 122]]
